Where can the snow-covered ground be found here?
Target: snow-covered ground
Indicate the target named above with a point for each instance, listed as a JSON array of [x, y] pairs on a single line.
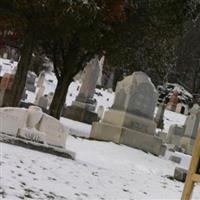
[[101, 170]]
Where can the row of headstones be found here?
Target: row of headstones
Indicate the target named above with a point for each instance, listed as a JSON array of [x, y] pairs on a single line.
[[133, 115], [133, 108], [32, 85]]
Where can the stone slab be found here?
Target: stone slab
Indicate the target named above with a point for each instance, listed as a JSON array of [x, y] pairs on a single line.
[[145, 142], [123, 119], [56, 133], [80, 114], [105, 132], [121, 135], [37, 146]]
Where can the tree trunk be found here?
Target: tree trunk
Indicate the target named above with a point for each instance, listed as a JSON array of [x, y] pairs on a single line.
[[12, 97], [59, 96]]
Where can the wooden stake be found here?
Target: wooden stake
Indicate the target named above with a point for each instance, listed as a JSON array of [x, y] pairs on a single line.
[[192, 175]]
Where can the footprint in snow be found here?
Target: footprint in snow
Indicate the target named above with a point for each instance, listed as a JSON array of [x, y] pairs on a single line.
[[51, 179], [30, 172], [126, 190], [95, 173], [85, 194]]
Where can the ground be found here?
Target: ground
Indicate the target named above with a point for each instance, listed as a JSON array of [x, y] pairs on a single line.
[[101, 171]]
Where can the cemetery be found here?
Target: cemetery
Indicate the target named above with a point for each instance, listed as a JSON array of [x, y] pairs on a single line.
[[99, 100]]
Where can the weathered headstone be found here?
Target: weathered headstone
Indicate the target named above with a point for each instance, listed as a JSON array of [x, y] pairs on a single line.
[[39, 93], [192, 122], [50, 98], [32, 124], [173, 101], [159, 118], [43, 102], [184, 137], [101, 63], [83, 107], [30, 81], [130, 121], [41, 79], [182, 108], [100, 111]]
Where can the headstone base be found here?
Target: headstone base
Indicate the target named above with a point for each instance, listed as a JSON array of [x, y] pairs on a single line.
[[80, 114], [129, 137], [37, 146]]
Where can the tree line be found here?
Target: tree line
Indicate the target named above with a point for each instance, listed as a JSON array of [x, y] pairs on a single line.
[[134, 34]]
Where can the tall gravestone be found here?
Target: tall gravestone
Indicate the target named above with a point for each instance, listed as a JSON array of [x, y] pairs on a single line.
[[191, 129], [40, 88], [130, 120], [30, 81], [83, 107], [159, 118]]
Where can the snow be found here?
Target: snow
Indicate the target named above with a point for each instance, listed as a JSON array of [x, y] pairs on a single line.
[[101, 171]]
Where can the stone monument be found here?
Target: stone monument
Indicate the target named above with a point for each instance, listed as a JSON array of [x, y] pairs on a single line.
[[43, 102], [184, 137], [159, 118], [130, 120], [50, 98], [40, 88], [83, 107], [30, 81], [173, 101]]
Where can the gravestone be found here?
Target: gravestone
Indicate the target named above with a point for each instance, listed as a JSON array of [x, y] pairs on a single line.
[[50, 98], [41, 79], [40, 88], [182, 108], [101, 63], [100, 111], [173, 101], [184, 137], [159, 118], [30, 81], [39, 93], [83, 108], [32, 124], [130, 120], [43, 102], [109, 84], [192, 122], [24, 95]]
